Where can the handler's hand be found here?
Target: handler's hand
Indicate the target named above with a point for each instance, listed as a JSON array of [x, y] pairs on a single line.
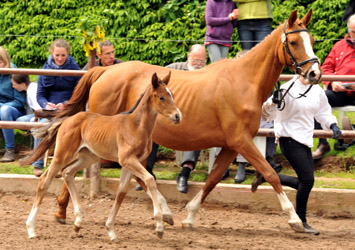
[[336, 130], [338, 87]]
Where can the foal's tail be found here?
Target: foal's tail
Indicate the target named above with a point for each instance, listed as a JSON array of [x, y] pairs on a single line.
[[48, 133], [81, 92]]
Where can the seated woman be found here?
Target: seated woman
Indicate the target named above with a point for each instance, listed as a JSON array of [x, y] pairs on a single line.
[[54, 91], [12, 106]]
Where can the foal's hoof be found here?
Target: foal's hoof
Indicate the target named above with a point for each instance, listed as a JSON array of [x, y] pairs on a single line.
[[160, 234], [168, 219], [187, 225], [296, 226], [77, 229]]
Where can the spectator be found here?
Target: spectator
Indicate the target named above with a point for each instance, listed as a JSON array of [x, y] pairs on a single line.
[[340, 61], [54, 91], [196, 59], [254, 21], [221, 18], [294, 131], [106, 57], [12, 106]]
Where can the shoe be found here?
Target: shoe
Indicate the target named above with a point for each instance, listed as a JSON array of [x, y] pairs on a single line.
[[225, 175], [240, 176], [276, 166], [309, 230], [347, 126], [9, 155], [37, 171], [320, 151], [182, 184], [258, 180], [138, 188]]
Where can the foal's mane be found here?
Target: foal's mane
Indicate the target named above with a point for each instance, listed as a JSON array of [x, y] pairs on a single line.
[[130, 111]]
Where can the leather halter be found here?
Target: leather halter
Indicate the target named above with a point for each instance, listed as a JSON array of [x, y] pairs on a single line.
[[296, 66]]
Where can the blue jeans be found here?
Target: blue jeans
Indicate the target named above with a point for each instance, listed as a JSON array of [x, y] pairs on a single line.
[[38, 163], [217, 52], [253, 31], [9, 113]]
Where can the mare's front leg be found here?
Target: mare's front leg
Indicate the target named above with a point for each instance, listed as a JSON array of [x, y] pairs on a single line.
[[120, 195], [255, 158], [83, 160], [223, 160], [43, 184]]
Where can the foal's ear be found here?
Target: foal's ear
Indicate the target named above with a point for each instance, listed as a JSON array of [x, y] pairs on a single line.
[[292, 19], [167, 78], [307, 18], [155, 81]]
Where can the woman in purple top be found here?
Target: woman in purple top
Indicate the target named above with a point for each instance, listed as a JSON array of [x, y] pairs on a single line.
[[221, 18]]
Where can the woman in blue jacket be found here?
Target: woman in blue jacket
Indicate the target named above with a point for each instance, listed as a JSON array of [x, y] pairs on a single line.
[[54, 91], [12, 106]]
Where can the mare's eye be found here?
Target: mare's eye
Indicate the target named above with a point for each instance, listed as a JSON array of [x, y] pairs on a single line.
[[161, 98], [293, 43]]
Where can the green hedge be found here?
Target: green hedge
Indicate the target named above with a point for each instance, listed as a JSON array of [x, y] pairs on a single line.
[[155, 31]]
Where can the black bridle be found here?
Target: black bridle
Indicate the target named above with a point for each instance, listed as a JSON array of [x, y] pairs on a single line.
[[297, 66]]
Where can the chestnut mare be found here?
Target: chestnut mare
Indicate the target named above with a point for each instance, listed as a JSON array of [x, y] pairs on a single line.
[[221, 104], [127, 138]]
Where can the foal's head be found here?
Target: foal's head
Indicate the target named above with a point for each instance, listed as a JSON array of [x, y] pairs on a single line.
[[297, 48], [163, 100]]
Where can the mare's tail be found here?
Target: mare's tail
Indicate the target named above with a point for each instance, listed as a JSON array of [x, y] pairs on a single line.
[[48, 133], [81, 92]]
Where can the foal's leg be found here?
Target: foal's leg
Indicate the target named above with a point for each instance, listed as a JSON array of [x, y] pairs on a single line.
[[137, 169], [167, 215], [120, 195], [84, 159], [43, 184], [223, 160], [63, 200], [255, 158]]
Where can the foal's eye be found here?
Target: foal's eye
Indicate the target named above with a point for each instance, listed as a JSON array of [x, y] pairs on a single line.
[[161, 98], [293, 43]]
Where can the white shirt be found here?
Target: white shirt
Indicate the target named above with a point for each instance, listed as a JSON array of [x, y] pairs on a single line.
[[296, 120], [31, 98]]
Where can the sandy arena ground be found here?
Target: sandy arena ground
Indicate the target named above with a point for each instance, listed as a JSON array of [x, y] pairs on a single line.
[[217, 226]]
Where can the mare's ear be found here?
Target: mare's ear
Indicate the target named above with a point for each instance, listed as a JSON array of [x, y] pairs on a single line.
[[307, 18], [155, 81], [167, 78], [292, 19]]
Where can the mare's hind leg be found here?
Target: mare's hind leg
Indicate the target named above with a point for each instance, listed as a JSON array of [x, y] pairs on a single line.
[[137, 169], [254, 157], [84, 159], [63, 200], [224, 159], [120, 195], [43, 184]]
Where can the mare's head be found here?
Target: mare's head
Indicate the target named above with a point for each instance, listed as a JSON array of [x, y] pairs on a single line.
[[297, 48], [163, 100]]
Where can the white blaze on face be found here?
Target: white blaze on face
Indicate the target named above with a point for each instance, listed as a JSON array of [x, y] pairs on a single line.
[[309, 50]]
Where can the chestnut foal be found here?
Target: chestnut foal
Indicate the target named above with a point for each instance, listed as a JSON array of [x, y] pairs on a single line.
[[127, 138]]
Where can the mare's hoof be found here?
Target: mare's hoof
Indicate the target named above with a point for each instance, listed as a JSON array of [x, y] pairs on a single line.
[[168, 219], [77, 229], [160, 234], [59, 220], [296, 226]]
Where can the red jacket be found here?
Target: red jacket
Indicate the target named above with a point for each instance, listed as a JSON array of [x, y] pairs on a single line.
[[340, 61]]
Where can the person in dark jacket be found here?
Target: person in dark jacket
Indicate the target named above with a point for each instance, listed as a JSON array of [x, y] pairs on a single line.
[[12, 106], [221, 18], [54, 91]]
